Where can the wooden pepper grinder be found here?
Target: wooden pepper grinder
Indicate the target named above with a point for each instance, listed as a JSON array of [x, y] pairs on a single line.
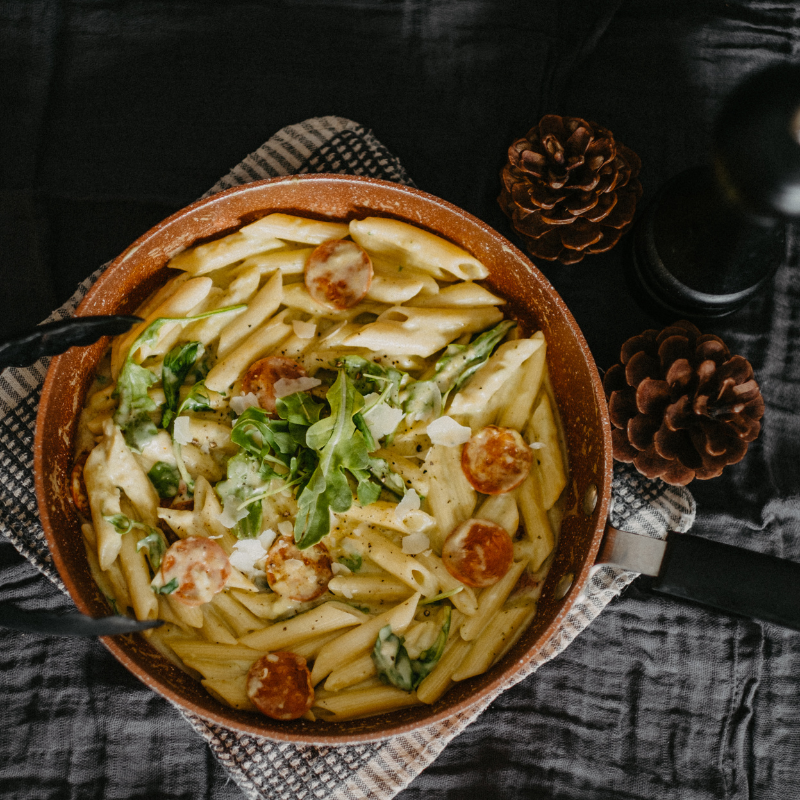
[[714, 236]]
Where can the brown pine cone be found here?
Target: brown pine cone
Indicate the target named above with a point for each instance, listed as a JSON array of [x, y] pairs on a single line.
[[569, 188], [681, 406]]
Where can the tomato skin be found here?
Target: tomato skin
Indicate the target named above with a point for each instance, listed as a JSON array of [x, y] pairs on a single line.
[[338, 274], [200, 567], [261, 377], [279, 685], [478, 553], [301, 575], [496, 460]]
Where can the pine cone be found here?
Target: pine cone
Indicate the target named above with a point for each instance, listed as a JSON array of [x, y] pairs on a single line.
[[569, 188], [682, 407]]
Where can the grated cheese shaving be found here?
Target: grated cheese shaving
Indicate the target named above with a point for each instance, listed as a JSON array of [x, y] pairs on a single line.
[[242, 402], [304, 330], [286, 386], [447, 432]]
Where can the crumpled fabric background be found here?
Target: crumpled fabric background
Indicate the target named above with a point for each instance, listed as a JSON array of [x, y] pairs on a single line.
[[115, 115]]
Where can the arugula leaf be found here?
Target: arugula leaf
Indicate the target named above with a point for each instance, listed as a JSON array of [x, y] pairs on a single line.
[[136, 407], [299, 408], [460, 362], [155, 546], [198, 399], [174, 370], [393, 663], [391, 481], [167, 588], [123, 524], [367, 376], [134, 415], [353, 562], [165, 478], [243, 481], [279, 445], [425, 399], [428, 659], [340, 447]]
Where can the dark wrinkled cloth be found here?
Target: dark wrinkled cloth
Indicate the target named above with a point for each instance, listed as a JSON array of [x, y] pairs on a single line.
[[115, 115]]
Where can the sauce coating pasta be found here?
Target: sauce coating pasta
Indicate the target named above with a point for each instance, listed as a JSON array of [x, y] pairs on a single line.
[[357, 459]]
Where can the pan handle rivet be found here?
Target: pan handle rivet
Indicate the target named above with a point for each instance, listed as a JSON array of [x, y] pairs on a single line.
[[564, 585], [590, 499]]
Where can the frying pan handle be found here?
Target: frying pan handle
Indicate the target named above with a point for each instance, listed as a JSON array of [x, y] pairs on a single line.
[[711, 573]]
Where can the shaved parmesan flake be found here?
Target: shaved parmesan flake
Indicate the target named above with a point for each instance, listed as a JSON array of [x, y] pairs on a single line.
[[383, 419], [267, 538], [339, 569], [409, 503], [246, 553], [415, 543], [447, 432], [286, 386], [537, 445], [242, 402], [304, 330], [180, 431], [285, 528]]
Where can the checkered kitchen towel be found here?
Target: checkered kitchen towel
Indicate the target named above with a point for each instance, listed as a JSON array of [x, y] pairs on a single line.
[[262, 768]]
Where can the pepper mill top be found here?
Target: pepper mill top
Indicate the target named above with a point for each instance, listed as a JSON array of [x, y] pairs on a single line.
[[757, 143], [713, 236]]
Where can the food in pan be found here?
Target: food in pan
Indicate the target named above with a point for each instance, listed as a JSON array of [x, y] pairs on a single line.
[[329, 463]]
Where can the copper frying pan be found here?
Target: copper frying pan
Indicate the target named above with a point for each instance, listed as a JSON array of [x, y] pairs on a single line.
[[141, 268]]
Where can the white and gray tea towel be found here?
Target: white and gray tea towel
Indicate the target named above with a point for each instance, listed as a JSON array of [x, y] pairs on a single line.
[[263, 768]]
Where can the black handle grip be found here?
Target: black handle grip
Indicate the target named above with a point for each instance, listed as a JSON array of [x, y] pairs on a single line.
[[731, 579]]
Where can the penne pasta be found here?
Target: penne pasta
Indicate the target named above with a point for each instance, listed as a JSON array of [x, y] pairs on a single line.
[[315, 511], [410, 246]]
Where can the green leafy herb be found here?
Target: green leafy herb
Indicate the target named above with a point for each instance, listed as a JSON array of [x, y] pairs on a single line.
[[393, 663], [461, 361], [423, 400], [123, 524], [369, 377], [279, 445], [113, 603], [174, 370], [165, 478], [341, 447], [353, 561], [391, 481], [244, 480], [155, 547], [134, 415], [198, 399], [167, 588]]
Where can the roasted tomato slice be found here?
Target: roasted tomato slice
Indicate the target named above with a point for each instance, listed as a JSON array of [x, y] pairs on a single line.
[[496, 460], [478, 553], [338, 274], [200, 567], [262, 376], [279, 684], [298, 574]]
